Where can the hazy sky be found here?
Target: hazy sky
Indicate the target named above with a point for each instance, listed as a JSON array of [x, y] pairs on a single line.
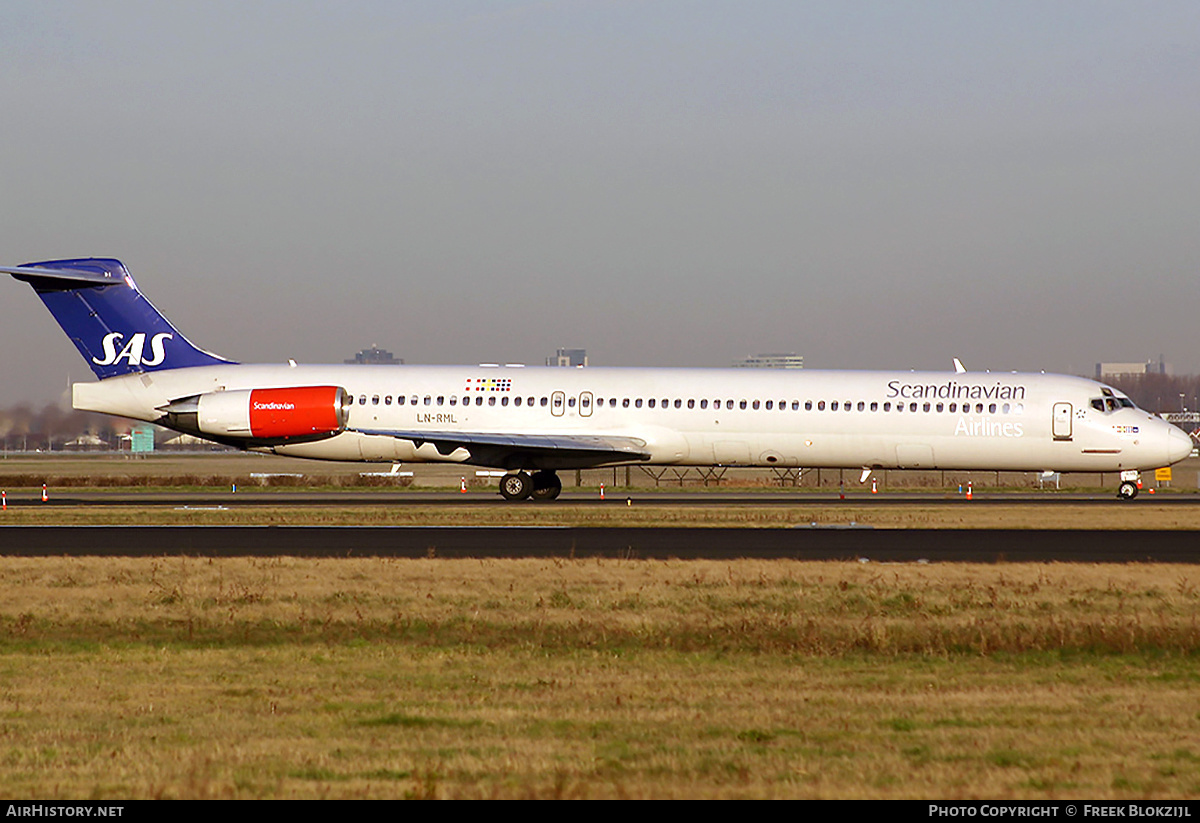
[[871, 185]]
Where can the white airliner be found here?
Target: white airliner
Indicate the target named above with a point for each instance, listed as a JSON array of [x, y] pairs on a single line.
[[535, 421]]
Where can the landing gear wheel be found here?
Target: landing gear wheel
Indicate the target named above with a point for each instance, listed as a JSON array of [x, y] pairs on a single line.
[[516, 486], [546, 486], [1127, 490]]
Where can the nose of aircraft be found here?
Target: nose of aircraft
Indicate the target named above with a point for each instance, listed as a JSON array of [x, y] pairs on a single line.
[[1179, 444]]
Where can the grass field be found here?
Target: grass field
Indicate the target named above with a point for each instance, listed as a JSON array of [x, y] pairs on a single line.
[[644, 513], [571, 678]]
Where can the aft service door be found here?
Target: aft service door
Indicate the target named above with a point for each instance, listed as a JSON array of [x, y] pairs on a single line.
[[1062, 421]]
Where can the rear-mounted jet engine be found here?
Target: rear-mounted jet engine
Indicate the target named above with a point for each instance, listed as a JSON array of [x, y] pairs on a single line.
[[299, 412]]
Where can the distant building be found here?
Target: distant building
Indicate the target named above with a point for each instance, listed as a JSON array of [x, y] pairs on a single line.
[[789, 360], [376, 356], [568, 357], [1104, 370]]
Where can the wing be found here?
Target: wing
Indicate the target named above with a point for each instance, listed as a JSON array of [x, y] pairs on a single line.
[[528, 451]]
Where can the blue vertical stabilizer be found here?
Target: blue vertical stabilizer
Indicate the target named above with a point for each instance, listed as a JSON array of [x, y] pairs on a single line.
[[116, 329]]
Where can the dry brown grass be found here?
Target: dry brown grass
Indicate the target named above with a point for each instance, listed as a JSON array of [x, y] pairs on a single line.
[[589, 678], [952, 514]]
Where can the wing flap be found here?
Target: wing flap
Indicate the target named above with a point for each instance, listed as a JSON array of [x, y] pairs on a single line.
[[590, 448]]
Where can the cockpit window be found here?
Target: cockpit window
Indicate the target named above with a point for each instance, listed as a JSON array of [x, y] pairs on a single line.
[[1126, 403], [1098, 404]]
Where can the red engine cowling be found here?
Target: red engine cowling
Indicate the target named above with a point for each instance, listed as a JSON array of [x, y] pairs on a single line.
[[298, 411]]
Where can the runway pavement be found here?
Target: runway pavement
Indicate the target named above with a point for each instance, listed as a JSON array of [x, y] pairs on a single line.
[[822, 543]]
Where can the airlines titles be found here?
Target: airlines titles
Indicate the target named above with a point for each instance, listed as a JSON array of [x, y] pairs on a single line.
[[953, 390], [133, 350]]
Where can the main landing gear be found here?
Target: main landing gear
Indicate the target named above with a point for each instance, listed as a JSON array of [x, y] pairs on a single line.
[[543, 485]]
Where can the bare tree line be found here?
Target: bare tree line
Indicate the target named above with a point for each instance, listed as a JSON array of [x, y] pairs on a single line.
[[52, 428]]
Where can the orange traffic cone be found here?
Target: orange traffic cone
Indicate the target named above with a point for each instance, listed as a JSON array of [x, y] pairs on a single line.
[[45, 497], [874, 486], [969, 495], [463, 485]]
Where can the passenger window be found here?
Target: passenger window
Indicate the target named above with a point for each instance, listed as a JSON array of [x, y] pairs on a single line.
[[637, 403], [807, 405], [543, 401], [887, 406], [729, 404], [441, 399], [362, 400], [862, 406], [387, 401], [625, 402], [679, 403], [833, 406], [941, 408], [820, 405], [349, 400], [399, 400], [375, 400], [992, 408], [769, 405], [516, 401], [691, 403], [704, 404], [650, 402], [428, 400], [874, 405], [492, 400], [912, 407], [479, 400], [504, 400], [753, 405], [926, 407]]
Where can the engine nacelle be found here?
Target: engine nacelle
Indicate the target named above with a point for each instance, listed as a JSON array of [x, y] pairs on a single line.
[[269, 414]]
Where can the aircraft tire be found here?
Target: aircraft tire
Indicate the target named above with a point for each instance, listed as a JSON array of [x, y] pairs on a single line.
[[546, 486], [1127, 490], [516, 486]]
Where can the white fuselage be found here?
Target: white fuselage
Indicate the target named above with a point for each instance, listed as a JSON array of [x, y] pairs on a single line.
[[735, 417]]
